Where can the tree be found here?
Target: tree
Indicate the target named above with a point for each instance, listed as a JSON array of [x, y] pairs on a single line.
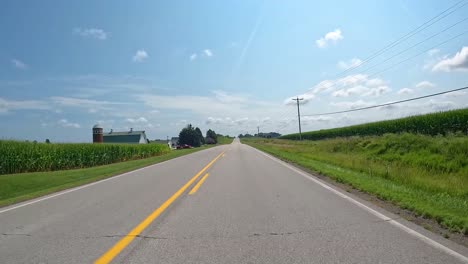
[[200, 136], [212, 135], [189, 136], [47, 141]]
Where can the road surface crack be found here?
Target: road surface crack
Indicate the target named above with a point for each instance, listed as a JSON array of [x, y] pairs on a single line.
[[6, 234], [275, 234]]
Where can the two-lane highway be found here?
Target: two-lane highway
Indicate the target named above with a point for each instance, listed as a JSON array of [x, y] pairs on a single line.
[[228, 204]]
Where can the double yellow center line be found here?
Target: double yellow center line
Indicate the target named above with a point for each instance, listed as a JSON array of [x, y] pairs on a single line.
[[197, 186], [123, 243]]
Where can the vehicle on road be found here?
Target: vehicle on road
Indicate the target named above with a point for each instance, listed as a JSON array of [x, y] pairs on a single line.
[[184, 146]]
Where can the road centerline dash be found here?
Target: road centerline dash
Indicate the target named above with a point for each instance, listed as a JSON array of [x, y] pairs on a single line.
[[197, 186], [108, 256]]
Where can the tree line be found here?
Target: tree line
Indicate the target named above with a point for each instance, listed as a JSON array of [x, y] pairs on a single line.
[[194, 137]]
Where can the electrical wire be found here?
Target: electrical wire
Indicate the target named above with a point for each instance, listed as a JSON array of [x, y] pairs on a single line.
[[386, 104], [405, 37]]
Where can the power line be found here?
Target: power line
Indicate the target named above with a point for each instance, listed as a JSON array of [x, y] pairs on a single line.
[[413, 32], [402, 61], [390, 67], [388, 47], [417, 44], [391, 103], [405, 37], [420, 53], [286, 123]]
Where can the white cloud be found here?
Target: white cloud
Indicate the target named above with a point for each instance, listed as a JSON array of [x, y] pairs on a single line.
[[222, 111], [203, 54], [198, 104], [440, 105], [333, 36], [241, 121], [362, 90], [355, 90], [425, 84], [455, 94], [351, 85], [459, 62], [141, 120], [92, 106], [96, 33], [266, 120], [433, 52], [353, 105], [353, 79], [349, 64], [66, 123], [217, 102], [228, 98], [323, 86], [19, 64], [320, 118], [377, 91], [405, 91], [375, 82], [78, 102], [140, 56], [208, 52], [238, 122], [12, 105]]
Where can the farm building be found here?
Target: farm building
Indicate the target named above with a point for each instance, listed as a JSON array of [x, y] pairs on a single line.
[[174, 142], [129, 137]]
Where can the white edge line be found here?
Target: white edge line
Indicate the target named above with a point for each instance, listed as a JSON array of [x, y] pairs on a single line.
[[37, 200], [372, 211]]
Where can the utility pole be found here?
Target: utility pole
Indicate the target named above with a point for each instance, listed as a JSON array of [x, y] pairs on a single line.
[[258, 130], [299, 115]]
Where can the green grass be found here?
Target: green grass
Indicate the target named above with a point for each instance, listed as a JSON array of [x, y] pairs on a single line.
[[19, 157], [425, 174], [429, 124], [23, 186]]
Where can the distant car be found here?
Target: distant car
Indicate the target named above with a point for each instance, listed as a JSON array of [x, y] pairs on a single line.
[[184, 146]]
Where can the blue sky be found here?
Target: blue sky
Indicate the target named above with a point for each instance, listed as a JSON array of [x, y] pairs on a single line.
[[226, 65]]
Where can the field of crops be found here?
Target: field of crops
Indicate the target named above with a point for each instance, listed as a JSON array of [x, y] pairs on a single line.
[[18, 157], [430, 124]]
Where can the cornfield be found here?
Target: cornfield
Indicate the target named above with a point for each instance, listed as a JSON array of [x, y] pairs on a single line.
[[454, 121], [18, 157]]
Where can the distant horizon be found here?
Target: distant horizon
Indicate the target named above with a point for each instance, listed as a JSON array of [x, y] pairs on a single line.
[[231, 135]]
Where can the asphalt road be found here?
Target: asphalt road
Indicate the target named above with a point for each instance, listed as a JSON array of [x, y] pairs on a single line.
[[250, 208]]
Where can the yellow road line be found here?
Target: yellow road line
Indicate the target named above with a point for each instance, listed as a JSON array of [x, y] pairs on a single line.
[[119, 246], [197, 186]]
